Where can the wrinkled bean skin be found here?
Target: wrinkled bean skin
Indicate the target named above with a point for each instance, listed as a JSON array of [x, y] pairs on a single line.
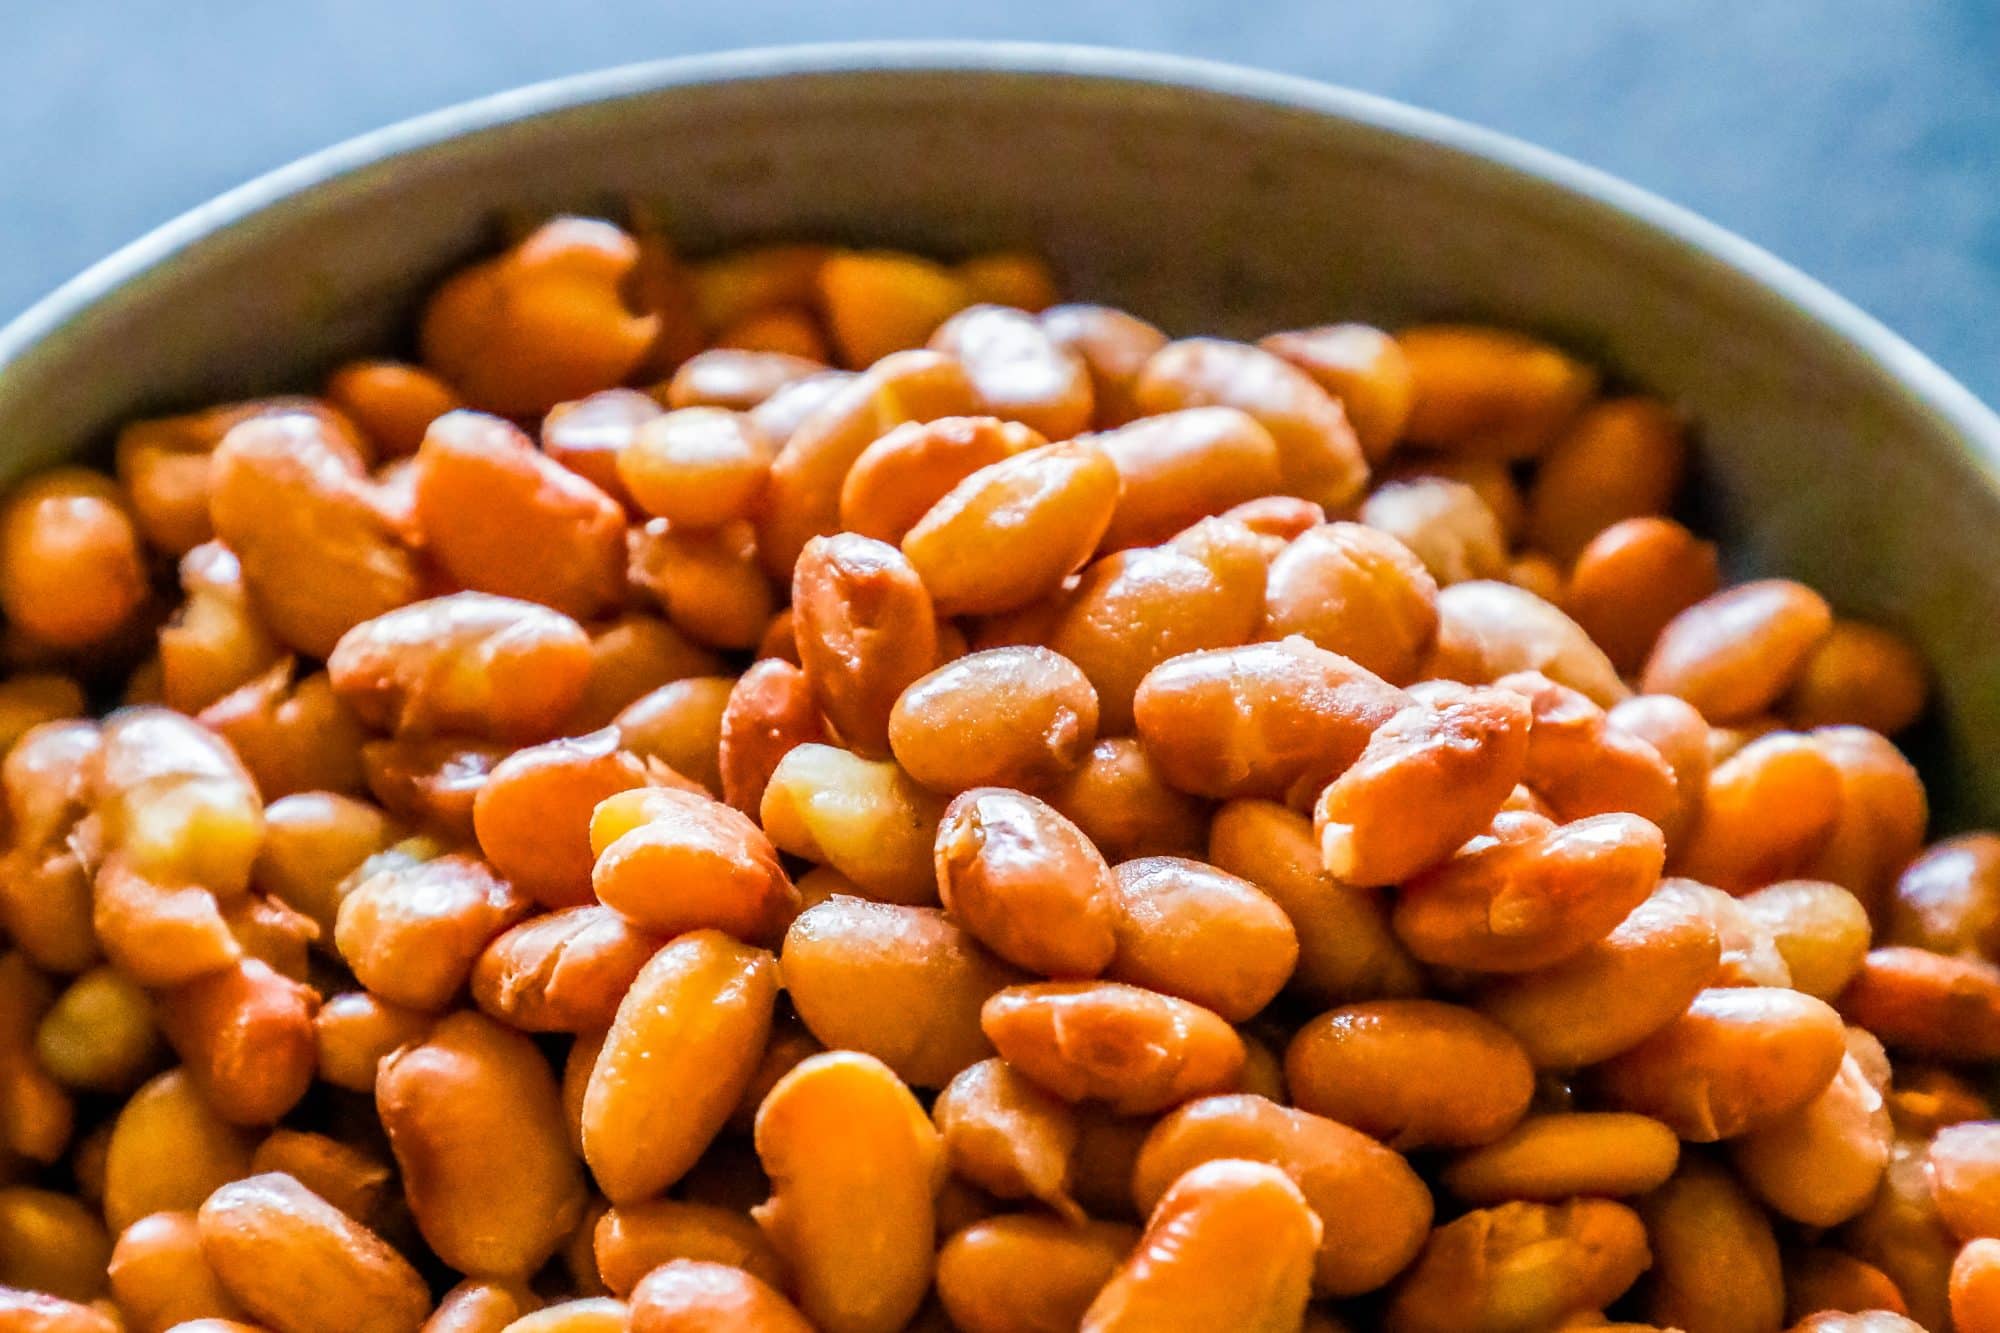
[[1023, 1273], [903, 984], [680, 1052], [865, 819], [1244, 1219], [1444, 523], [564, 971], [1006, 717], [1358, 592], [837, 1128], [445, 1103], [866, 630], [1413, 1073], [1027, 883], [770, 712], [1008, 1137], [1430, 778], [1262, 720], [1136, 1050], [1520, 1266], [1189, 930], [1374, 1211], [1738, 1060], [1521, 903], [532, 817]]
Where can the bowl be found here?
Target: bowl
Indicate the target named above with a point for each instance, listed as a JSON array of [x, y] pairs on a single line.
[[1204, 197]]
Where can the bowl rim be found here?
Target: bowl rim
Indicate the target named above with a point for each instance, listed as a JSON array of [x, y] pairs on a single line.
[[1935, 391]]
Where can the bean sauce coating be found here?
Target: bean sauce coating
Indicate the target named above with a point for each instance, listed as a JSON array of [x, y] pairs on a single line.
[[813, 788]]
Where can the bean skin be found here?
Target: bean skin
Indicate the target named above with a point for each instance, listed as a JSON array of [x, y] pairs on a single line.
[[1136, 1050]]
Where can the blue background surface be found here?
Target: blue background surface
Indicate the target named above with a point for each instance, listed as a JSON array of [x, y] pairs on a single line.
[[1859, 139]]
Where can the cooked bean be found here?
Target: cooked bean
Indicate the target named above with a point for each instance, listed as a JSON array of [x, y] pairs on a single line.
[[671, 861], [591, 1314], [1444, 523], [1557, 1156], [1364, 369], [1734, 654], [1358, 592], [841, 1127], [633, 1240], [1008, 1137], [1530, 895], [1118, 798], [1011, 532], [1821, 1164], [39, 1312], [1975, 1286], [1181, 466], [352, 1179], [898, 478], [445, 1103], [1948, 899], [1374, 1210], [1749, 952], [685, 1041], [1633, 578], [1678, 736], [1022, 1273], [51, 1242], [1882, 816], [1018, 370], [1430, 778], [1016, 717], [1622, 458], [1263, 720], [411, 934], [1927, 1004], [881, 301], [168, 1151], [1520, 1266], [689, 1295], [903, 984], [160, 1278], [1859, 675], [431, 782], [1186, 929], [1414, 1073], [1826, 1279], [1319, 456], [865, 818], [71, 571], [696, 467], [1135, 1049], [707, 581], [1027, 883], [1820, 929], [1739, 1059], [475, 1306], [1487, 630], [175, 802], [866, 630], [99, 1034], [680, 725], [1489, 391], [1115, 348], [1715, 1260], [245, 1038], [533, 815], [770, 712], [563, 972], [1346, 950], [298, 1263]]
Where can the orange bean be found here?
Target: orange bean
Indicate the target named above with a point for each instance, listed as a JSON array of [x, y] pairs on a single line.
[[1622, 458], [1633, 578], [1965, 1178], [689, 1295], [1487, 630], [1365, 371], [1882, 817], [669, 861], [39, 1312], [707, 581], [1859, 676], [882, 301], [475, 1306], [412, 933], [1358, 592], [680, 725], [1027, 883], [1975, 1287], [1188, 930], [770, 712], [1264, 720], [444, 1103], [1822, 1278], [588, 435], [392, 403], [736, 378], [1230, 1245], [1319, 457], [1414, 1073], [1489, 391], [354, 1180], [1015, 717], [168, 1150], [1948, 899], [1281, 516], [1117, 797], [1011, 532], [562, 972], [1181, 466], [697, 467], [1736, 653], [1134, 1049], [802, 498], [1902, 1234], [1008, 1137], [160, 1278], [1822, 1163], [470, 663], [289, 495], [865, 819], [1715, 1261], [215, 642], [1025, 1273], [245, 1036], [1009, 277], [839, 1127], [1374, 1211], [1819, 929], [1738, 1060], [1767, 811], [865, 630], [1115, 348], [298, 1263], [545, 322], [533, 814], [633, 1240], [430, 782], [1018, 370], [1430, 778], [1138, 608], [897, 479], [1679, 736], [1520, 1266], [1556, 1156], [71, 571], [1444, 523], [175, 802], [1580, 765], [684, 1044], [785, 329]]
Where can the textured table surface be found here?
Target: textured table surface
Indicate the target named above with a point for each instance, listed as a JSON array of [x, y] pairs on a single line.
[[1859, 139]]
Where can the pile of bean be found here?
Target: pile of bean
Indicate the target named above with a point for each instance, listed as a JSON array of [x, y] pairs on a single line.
[[1042, 827]]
